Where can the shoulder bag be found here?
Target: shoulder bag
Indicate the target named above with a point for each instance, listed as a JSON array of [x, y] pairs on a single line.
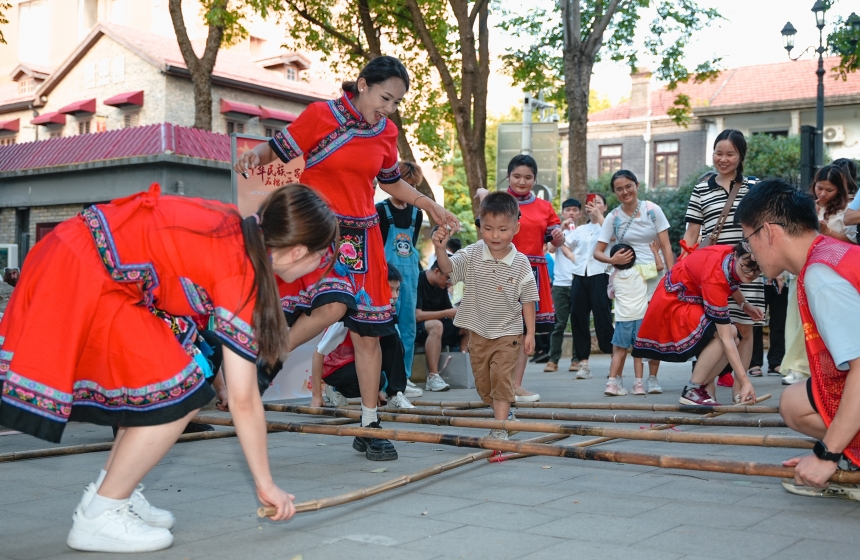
[[718, 228]]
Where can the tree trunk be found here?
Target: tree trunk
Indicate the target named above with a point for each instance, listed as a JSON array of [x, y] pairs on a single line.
[[199, 68], [577, 82]]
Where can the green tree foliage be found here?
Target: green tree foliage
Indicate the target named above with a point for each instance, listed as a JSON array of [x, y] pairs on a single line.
[[773, 156], [573, 35], [4, 6], [844, 41], [458, 199]]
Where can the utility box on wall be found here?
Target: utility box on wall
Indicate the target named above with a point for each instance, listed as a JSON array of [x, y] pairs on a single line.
[[544, 150]]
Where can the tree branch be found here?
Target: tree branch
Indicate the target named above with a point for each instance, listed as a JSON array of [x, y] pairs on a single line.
[[191, 60], [595, 39], [479, 4], [433, 51], [355, 45], [369, 29], [213, 40]]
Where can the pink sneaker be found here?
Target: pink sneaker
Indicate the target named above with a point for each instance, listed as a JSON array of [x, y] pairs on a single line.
[[614, 388], [697, 396], [638, 388]]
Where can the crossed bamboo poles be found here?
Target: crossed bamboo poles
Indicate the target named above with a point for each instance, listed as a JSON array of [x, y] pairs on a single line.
[[467, 414]]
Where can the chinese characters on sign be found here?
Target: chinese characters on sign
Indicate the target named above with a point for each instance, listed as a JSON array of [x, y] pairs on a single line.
[[262, 180]]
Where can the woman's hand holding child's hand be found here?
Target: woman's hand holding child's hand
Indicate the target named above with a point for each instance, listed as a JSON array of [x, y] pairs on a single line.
[[440, 237]]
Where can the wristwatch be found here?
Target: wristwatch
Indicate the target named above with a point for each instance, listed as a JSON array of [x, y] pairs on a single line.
[[822, 453]]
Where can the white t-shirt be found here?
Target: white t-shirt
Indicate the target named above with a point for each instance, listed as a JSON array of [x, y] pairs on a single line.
[[649, 221], [631, 295], [583, 241], [332, 338], [835, 306], [563, 271]]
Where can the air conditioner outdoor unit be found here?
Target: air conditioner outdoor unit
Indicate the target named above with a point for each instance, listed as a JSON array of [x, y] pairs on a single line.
[[834, 133]]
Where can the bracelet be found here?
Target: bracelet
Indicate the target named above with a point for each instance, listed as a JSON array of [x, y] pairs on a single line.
[[744, 303], [417, 197]]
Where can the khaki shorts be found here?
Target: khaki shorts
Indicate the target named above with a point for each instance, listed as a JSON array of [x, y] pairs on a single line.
[[494, 364]]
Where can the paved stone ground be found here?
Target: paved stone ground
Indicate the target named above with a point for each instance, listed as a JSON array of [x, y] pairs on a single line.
[[517, 509]]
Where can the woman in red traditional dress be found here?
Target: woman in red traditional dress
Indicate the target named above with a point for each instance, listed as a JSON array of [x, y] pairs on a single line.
[[539, 224], [82, 338], [347, 143], [689, 316]]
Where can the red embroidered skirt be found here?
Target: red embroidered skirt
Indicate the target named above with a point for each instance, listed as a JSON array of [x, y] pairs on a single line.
[[359, 280], [673, 330], [545, 311]]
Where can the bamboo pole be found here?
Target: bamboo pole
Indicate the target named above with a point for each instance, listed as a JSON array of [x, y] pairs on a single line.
[[661, 461], [608, 406], [578, 430], [96, 447], [362, 493], [705, 420]]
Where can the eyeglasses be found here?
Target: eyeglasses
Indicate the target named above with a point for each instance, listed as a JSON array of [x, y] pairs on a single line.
[[745, 242], [750, 267]]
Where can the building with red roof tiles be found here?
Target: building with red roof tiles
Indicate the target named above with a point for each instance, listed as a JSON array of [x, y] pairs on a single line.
[[776, 99]]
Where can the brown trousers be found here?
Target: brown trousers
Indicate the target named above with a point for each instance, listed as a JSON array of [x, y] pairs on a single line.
[[494, 364]]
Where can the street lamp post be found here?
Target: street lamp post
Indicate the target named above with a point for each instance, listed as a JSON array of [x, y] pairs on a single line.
[[788, 33]]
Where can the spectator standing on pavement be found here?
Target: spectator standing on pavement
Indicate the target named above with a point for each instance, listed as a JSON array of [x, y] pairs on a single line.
[[539, 224], [571, 210], [637, 223], [588, 290], [542, 343], [435, 316], [629, 285], [400, 226], [498, 303]]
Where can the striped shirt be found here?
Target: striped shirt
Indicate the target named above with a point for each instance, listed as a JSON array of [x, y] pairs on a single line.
[[706, 205], [495, 291]]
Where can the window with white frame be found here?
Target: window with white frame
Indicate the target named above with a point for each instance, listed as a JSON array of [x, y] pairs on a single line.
[[291, 74], [666, 163], [84, 126], [235, 126], [131, 119], [26, 85], [609, 160], [7, 140]]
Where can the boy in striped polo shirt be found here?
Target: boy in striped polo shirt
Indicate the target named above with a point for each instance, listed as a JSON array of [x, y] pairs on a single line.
[[499, 299]]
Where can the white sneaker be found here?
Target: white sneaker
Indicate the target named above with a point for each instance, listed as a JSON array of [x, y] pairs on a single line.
[[793, 377], [652, 385], [116, 530], [521, 395], [412, 390], [498, 434], [334, 398], [614, 388], [151, 515], [436, 383], [844, 491], [399, 401], [584, 373]]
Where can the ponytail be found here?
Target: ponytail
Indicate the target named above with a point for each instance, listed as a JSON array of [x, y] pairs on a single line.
[[290, 216], [270, 326]]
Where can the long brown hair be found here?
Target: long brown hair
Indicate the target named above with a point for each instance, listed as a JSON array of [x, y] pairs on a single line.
[[834, 175], [290, 216]]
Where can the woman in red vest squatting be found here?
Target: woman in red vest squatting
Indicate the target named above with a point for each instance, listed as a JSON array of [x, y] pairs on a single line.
[[780, 226], [347, 143]]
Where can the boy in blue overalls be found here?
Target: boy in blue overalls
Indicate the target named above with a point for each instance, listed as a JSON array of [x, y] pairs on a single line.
[[400, 224]]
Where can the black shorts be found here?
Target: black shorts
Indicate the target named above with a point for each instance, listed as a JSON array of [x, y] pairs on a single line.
[[809, 394], [450, 333]]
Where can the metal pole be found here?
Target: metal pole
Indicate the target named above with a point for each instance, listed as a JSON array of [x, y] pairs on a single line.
[[527, 125], [819, 107]]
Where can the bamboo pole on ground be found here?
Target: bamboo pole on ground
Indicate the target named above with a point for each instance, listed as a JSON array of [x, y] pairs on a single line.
[[362, 493], [607, 406], [96, 447], [705, 420], [661, 461], [576, 430]]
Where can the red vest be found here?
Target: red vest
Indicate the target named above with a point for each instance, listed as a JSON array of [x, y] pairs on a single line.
[[827, 381], [339, 357]]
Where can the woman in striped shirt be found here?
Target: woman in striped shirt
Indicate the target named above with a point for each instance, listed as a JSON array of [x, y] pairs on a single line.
[[703, 213]]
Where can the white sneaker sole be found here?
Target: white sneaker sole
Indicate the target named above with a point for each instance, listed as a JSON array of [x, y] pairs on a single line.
[[832, 491], [527, 398], [655, 391], [79, 540], [581, 375], [682, 400]]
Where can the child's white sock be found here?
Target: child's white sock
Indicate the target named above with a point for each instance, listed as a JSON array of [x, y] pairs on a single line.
[[100, 504], [368, 415], [100, 479]]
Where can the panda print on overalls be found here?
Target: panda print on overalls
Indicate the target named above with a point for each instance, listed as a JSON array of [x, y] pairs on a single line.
[[403, 245]]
